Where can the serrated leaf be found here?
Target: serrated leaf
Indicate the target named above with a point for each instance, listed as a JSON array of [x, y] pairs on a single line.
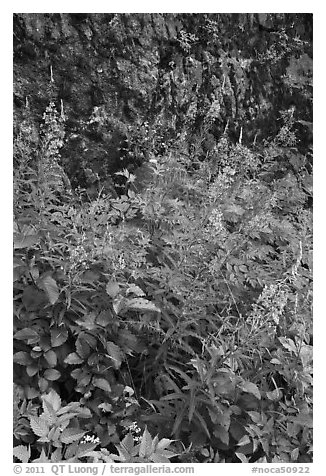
[[159, 458], [73, 359], [82, 449], [112, 289], [39, 426], [23, 453], [141, 304], [52, 374], [128, 443], [58, 336], [69, 435], [102, 383], [115, 353], [51, 288], [145, 448]]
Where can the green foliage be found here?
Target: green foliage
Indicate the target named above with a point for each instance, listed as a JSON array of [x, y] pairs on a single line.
[[180, 308]]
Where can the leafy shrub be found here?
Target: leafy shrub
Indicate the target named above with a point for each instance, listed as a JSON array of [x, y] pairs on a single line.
[[183, 308]]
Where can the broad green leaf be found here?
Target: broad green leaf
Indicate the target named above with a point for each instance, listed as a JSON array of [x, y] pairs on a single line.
[[51, 358], [141, 304], [52, 374], [82, 348], [245, 440], [256, 417], [23, 453], [34, 299], [58, 336], [288, 344], [32, 370], [135, 290], [163, 444], [112, 288], [102, 383], [27, 334], [51, 288], [22, 358], [25, 241], [53, 399], [73, 359], [115, 353], [250, 387], [222, 434]]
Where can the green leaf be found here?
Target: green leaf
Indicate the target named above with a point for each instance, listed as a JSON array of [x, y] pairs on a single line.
[[244, 440], [73, 359], [51, 288], [82, 348], [106, 407], [135, 290], [128, 443], [39, 426], [115, 353], [163, 444], [242, 458], [51, 358], [22, 358], [141, 304], [25, 241], [27, 334], [145, 448], [58, 336], [23, 453], [52, 374], [32, 370], [288, 344], [53, 399], [112, 288], [250, 387], [102, 383], [34, 299], [69, 435]]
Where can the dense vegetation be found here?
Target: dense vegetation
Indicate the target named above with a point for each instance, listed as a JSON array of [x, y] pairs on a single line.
[[163, 238]]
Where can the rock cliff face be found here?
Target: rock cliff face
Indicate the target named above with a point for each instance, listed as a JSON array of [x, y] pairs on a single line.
[[136, 85]]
